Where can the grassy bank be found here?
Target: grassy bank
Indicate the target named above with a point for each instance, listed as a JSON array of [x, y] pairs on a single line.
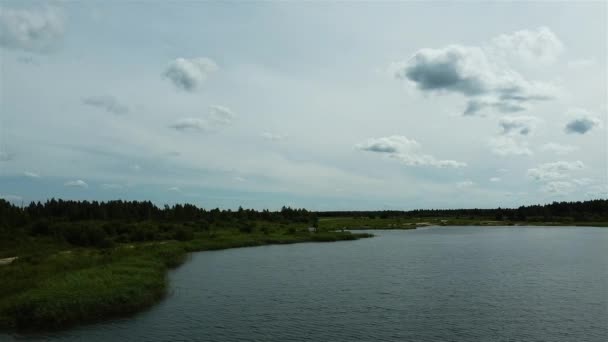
[[56, 285], [356, 223]]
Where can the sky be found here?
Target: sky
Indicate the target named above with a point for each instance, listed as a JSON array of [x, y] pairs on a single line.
[[323, 105]]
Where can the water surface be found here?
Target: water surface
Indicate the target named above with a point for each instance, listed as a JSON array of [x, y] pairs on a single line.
[[433, 284]]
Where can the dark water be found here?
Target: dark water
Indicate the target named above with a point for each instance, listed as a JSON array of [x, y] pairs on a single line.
[[437, 284]]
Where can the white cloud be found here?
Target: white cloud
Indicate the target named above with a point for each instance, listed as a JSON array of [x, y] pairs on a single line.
[[220, 115], [79, 183], [108, 103], [390, 144], [32, 31], [217, 117], [175, 189], [273, 137], [189, 74], [406, 151], [31, 174], [530, 46], [554, 170], [464, 184], [469, 71], [239, 179], [506, 145], [558, 148], [522, 125], [495, 179]]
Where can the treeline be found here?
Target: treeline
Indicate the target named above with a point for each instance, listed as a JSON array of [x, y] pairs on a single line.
[[586, 211], [93, 223], [136, 211]]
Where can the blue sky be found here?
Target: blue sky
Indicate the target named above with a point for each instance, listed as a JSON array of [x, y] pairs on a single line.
[[319, 105]]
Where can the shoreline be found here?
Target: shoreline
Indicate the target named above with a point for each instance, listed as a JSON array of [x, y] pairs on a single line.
[[103, 284]]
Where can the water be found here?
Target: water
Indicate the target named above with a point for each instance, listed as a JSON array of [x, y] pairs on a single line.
[[435, 284]]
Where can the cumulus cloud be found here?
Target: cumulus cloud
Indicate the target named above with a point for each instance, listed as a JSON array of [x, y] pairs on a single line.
[[31, 174], [555, 170], [108, 103], [474, 73], [582, 125], [273, 137], [175, 189], [405, 150], [531, 46], [522, 125], [217, 117], [558, 148], [189, 74], [507, 145], [495, 179], [79, 183], [32, 31], [391, 144]]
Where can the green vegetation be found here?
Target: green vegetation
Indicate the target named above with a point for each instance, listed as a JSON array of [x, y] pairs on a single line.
[[67, 262], [588, 213], [74, 265]]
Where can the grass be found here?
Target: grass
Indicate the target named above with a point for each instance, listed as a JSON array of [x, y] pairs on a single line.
[[58, 286], [355, 223]]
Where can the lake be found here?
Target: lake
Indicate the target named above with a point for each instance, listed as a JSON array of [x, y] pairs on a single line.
[[432, 284]]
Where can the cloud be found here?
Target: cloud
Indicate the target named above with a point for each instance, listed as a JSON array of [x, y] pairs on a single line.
[[30, 174], [471, 72], [464, 184], [507, 145], [273, 137], [175, 189], [391, 144], [406, 151], [582, 124], [557, 148], [189, 74], [239, 179], [522, 125], [11, 198], [108, 103], [6, 156], [217, 117], [495, 179], [530, 46], [79, 183], [220, 115], [558, 187], [554, 170], [196, 124], [32, 31]]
